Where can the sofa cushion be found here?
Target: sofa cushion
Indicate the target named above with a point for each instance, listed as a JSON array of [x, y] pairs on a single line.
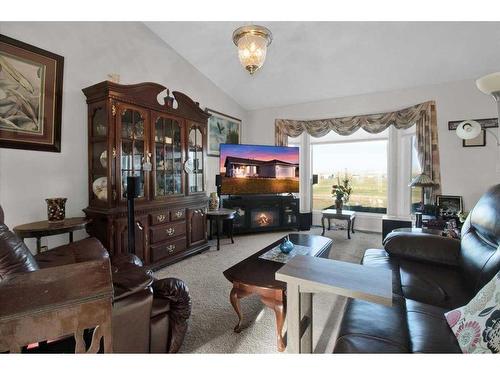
[[373, 328], [14, 255], [480, 250], [428, 329], [433, 284], [477, 324]]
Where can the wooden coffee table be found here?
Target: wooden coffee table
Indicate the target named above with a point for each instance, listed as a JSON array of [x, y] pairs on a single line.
[[257, 276]]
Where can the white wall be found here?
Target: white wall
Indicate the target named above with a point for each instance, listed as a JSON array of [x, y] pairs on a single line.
[[91, 51], [464, 171]]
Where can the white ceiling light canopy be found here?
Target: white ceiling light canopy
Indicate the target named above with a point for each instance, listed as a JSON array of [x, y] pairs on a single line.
[[252, 42]]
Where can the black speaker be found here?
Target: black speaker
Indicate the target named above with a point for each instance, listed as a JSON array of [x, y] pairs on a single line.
[[315, 179], [133, 187], [133, 190], [218, 180]]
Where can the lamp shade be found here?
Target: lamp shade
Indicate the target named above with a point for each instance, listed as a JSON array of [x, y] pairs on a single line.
[[489, 84], [422, 180], [468, 129]]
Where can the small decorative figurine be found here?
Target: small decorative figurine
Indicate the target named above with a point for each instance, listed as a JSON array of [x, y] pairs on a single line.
[[286, 246]]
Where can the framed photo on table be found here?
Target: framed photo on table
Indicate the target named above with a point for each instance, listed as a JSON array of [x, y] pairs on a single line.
[[449, 205], [222, 129], [30, 96]]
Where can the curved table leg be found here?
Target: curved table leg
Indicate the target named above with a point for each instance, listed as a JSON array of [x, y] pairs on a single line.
[[323, 225], [349, 229], [280, 313], [352, 225], [233, 296]]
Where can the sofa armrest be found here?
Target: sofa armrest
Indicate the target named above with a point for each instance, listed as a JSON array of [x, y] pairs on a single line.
[[76, 252], [423, 247], [177, 293]]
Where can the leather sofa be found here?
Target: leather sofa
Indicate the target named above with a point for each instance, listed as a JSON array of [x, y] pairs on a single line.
[[431, 275], [149, 316]]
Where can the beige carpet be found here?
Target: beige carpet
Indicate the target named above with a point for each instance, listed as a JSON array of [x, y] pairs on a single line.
[[213, 318]]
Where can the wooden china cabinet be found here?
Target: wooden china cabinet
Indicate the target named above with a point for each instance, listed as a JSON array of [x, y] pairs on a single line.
[[131, 133]]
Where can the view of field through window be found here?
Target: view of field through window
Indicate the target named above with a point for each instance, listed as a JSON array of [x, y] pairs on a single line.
[[365, 162]]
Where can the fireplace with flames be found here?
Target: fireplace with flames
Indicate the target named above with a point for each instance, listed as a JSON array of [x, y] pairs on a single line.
[[265, 217], [257, 213]]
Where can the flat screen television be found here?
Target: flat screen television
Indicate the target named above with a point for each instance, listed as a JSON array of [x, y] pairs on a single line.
[[254, 169]]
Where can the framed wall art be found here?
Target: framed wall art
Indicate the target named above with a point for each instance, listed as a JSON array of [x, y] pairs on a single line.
[[30, 96], [479, 141], [222, 129], [486, 123]]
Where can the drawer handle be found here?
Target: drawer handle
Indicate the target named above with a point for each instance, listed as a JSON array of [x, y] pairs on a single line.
[[170, 248], [178, 214], [170, 231], [161, 218]]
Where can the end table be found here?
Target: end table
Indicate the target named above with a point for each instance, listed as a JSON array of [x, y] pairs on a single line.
[[46, 228]]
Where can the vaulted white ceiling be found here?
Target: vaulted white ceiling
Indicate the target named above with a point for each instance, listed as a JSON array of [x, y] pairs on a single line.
[[310, 61]]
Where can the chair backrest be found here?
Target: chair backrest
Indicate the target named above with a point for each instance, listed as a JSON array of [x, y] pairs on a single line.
[[480, 246], [14, 255]]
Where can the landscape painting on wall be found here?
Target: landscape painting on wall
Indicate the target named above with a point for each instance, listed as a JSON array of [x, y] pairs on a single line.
[[254, 169], [222, 129], [30, 96]]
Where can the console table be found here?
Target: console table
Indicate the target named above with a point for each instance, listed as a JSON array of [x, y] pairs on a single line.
[[305, 275], [349, 216]]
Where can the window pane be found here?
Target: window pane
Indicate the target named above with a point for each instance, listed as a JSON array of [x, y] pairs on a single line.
[[365, 161], [416, 192]]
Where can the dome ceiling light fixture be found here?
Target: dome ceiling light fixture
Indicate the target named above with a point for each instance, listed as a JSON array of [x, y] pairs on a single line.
[[252, 42]]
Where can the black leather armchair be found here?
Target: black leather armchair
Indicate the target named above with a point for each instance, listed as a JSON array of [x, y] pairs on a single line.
[[431, 275]]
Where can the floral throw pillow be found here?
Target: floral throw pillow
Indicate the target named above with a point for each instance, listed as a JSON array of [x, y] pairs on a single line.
[[477, 324]]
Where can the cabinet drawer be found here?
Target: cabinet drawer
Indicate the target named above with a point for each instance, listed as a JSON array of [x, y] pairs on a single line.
[[164, 232], [178, 214], [167, 249], [159, 218]]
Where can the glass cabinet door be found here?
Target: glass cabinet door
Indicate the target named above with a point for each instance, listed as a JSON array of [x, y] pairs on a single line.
[[131, 141], [195, 162], [100, 160], [167, 166]]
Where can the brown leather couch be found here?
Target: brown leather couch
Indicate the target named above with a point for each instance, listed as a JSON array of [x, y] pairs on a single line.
[[431, 275], [148, 315]]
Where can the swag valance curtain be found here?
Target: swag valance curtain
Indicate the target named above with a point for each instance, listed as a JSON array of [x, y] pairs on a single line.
[[422, 115]]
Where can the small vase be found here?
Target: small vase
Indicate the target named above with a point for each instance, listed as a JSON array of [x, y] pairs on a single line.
[[56, 209], [338, 205], [286, 246], [213, 203]]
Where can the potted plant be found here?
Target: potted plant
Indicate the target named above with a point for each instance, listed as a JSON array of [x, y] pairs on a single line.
[[342, 191]]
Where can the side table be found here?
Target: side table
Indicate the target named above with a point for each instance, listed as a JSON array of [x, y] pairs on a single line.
[[306, 275], [349, 216], [219, 216], [46, 228]]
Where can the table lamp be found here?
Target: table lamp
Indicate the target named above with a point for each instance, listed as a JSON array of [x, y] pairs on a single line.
[[423, 181]]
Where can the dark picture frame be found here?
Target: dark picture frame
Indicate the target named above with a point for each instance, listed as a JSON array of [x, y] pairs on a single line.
[[479, 141], [222, 128], [486, 123], [449, 205], [32, 81]]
